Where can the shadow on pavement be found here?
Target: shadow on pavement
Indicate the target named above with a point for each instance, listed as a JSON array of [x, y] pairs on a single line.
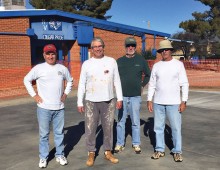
[[71, 138]]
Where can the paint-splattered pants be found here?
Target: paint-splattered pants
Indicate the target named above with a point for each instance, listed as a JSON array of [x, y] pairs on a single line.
[[95, 111]]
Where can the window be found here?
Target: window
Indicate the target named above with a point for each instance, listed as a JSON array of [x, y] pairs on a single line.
[[18, 2]]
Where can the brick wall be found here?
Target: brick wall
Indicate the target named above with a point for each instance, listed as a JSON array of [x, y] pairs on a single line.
[[16, 60], [15, 56], [15, 51], [75, 62], [18, 25], [75, 52], [114, 42], [12, 81]]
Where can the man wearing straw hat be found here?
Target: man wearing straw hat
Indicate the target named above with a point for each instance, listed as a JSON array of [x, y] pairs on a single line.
[[167, 96]]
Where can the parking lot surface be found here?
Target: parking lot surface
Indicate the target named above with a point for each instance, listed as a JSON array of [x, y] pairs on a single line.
[[200, 131]]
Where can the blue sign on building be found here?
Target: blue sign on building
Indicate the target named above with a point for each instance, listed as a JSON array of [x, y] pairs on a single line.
[[54, 25], [53, 37], [51, 29]]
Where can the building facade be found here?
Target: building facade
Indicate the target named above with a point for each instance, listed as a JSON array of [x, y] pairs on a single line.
[[13, 4], [23, 33]]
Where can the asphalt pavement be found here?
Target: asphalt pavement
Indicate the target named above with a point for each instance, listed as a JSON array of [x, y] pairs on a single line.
[[200, 131]]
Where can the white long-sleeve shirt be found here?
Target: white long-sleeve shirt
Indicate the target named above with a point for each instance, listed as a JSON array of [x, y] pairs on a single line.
[[98, 78], [168, 79], [50, 84]]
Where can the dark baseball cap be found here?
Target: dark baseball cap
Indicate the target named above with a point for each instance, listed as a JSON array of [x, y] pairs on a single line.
[[130, 40]]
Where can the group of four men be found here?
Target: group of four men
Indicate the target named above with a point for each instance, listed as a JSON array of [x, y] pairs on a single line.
[[100, 78]]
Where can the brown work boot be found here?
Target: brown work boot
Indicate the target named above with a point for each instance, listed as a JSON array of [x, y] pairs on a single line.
[[110, 157], [91, 158]]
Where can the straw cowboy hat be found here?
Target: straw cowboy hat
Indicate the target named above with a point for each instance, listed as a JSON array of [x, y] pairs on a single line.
[[165, 44]]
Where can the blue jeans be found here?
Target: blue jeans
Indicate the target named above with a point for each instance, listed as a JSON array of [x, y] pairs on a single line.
[[45, 117], [131, 105], [175, 120]]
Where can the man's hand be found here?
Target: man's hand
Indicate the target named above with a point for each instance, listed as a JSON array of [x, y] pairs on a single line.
[[142, 90], [150, 106], [182, 107], [80, 109], [38, 99], [63, 98], [119, 104]]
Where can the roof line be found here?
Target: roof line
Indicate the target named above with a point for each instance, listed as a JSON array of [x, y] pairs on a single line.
[[98, 23]]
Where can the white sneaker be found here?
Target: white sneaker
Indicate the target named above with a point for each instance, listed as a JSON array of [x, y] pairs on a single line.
[[62, 160], [137, 149], [42, 163]]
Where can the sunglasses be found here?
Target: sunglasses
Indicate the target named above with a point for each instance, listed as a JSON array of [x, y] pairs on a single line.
[[165, 49], [130, 45]]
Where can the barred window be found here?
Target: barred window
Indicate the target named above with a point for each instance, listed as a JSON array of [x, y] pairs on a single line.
[[18, 2]]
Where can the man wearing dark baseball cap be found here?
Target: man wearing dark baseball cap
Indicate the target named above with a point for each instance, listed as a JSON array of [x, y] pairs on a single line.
[[131, 68], [130, 41]]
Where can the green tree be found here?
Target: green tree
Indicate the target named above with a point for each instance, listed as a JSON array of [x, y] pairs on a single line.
[[206, 25], [91, 8]]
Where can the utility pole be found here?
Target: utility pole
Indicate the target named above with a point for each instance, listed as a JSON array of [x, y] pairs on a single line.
[[148, 24]]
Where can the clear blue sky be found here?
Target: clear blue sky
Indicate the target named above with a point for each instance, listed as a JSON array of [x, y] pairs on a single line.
[[163, 15]]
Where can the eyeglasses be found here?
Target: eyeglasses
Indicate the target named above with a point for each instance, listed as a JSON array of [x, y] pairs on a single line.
[[165, 49], [100, 46], [130, 45]]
